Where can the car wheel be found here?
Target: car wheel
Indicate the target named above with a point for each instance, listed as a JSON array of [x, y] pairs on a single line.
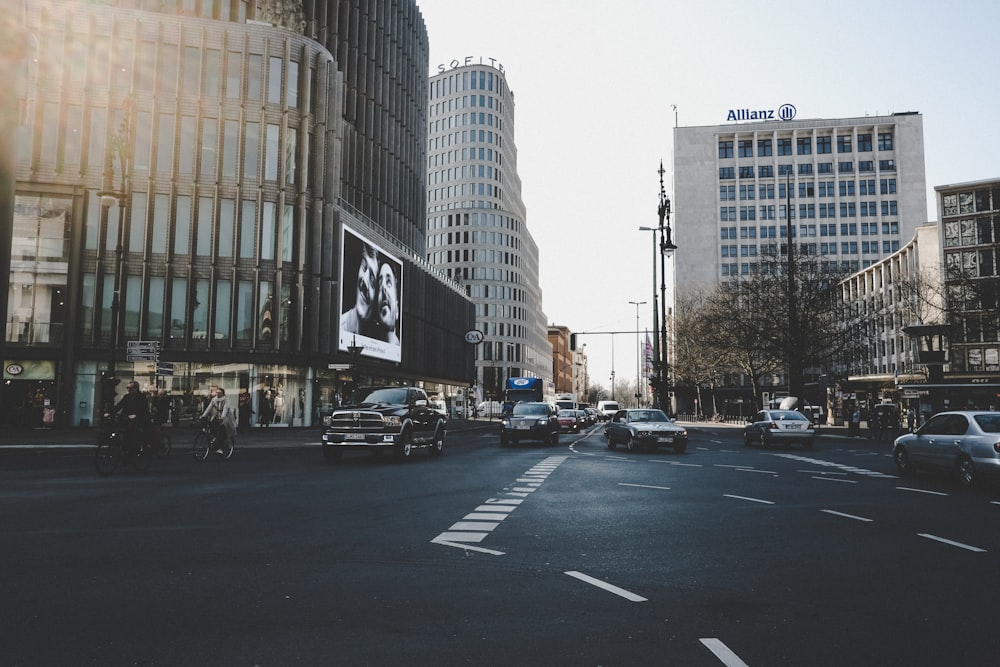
[[902, 460], [438, 446], [404, 448], [630, 444], [331, 454], [746, 439], [966, 472], [762, 441]]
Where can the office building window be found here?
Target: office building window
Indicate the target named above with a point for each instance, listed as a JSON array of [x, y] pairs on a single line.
[[745, 148], [805, 170], [767, 191], [746, 172], [785, 146], [804, 145], [889, 208], [885, 141], [887, 186], [824, 145], [824, 168], [727, 192], [843, 144], [845, 167], [725, 149], [887, 165], [764, 147], [864, 143], [765, 171], [726, 173], [866, 166]]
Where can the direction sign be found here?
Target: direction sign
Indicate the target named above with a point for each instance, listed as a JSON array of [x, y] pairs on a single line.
[[142, 350]]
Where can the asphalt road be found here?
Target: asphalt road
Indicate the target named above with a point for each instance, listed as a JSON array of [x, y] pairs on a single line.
[[568, 555]]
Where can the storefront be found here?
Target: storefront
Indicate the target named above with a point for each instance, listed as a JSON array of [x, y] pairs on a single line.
[[28, 398]]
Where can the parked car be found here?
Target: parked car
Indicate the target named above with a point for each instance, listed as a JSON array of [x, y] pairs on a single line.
[[530, 421], [964, 442], [592, 417], [774, 427], [569, 421], [645, 429]]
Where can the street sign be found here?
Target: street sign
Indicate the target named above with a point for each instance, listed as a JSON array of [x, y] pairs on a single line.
[[164, 368], [142, 350]]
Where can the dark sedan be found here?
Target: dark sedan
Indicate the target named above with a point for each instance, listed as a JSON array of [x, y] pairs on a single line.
[[530, 421], [645, 429]]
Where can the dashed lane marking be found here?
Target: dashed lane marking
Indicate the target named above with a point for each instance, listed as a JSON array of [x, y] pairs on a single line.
[[475, 526]]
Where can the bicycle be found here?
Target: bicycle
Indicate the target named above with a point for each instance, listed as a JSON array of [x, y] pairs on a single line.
[[119, 444], [207, 441]]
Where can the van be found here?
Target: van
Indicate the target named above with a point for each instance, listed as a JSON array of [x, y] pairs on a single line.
[[607, 409]]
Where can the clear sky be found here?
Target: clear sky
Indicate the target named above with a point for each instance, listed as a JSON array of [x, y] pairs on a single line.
[[595, 83]]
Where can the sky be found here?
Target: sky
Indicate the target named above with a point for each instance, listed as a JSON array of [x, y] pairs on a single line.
[[596, 84]]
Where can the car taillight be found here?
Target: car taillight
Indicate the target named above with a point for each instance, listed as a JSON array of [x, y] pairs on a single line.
[[996, 447], [773, 425]]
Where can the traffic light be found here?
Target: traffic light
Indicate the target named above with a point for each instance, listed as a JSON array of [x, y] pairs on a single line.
[[572, 342]]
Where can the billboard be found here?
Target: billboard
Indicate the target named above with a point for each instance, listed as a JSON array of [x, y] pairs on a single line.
[[371, 298]]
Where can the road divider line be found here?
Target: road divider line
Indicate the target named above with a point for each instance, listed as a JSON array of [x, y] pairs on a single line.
[[723, 652], [930, 493], [752, 500], [628, 595], [953, 543], [645, 486], [848, 516], [834, 479]]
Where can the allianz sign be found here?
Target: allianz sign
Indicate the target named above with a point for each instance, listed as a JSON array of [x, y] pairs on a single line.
[[784, 112]]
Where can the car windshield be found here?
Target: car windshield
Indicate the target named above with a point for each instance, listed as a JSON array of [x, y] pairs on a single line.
[[647, 416], [989, 423], [531, 409], [395, 395], [567, 413], [787, 415]]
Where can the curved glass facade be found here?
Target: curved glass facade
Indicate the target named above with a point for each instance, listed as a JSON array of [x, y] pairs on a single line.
[[184, 170]]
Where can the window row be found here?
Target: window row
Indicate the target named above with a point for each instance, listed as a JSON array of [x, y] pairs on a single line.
[[461, 120], [466, 80], [805, 169], [465, 102], [863, 187], [845, 248], [886, 208], [829, 229], [730, 270], [465, 137], [979, 231], [803, 145]]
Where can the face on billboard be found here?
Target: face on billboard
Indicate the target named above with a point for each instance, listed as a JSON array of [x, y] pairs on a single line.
[[371, 304]]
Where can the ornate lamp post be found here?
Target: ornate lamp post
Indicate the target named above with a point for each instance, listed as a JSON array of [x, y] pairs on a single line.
[[667, 247]]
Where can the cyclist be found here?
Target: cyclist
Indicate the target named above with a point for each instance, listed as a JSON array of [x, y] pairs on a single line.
[[134, 409], [220, 409]]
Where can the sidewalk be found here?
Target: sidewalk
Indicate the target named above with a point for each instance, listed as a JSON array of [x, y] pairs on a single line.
[[271, 437]]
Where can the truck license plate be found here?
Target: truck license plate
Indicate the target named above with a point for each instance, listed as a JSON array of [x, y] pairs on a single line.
[[667, 439], [354, 436]]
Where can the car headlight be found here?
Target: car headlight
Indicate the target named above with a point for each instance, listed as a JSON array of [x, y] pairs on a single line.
[[543, 422], [391, 420]]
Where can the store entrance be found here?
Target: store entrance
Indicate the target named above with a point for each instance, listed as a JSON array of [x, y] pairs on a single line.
[[27, 403]]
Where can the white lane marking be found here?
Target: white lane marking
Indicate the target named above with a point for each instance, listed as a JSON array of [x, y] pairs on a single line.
[[487, 516], [821, 472], [952, 543], [930, 493], [645, 486], [848, 516], [726, 465], [838, 466], [753, 500], [834, 479], [628, 595], [766, 472], [723, 652]]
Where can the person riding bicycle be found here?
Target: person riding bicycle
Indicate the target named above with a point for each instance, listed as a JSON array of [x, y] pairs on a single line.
[[133, 409], [220, 409]]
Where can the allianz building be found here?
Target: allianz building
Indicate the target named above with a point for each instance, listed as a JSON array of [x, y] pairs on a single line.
[[220, 168]]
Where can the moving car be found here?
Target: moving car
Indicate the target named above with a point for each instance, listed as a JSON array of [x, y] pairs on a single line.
[[569, 421], [774, 427], [964, 442], [645, 428], [389, 418], [607, 409], [530, 421]]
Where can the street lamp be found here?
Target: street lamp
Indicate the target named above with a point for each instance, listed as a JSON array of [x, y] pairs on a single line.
[[638, 353], [120, 146], [667, 247]]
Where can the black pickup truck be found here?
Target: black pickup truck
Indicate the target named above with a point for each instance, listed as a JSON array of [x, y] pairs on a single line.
[[400, 419]]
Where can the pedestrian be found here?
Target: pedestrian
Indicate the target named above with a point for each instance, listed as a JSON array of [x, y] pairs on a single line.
[[856, 422], [911, 419], [245, 405]]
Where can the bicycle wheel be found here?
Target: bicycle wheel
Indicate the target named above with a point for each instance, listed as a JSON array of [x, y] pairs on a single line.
[[227, 448], [202, 446], [163, 446], [106, 459]]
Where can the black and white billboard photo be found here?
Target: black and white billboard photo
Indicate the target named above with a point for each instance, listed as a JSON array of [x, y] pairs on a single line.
[[370, 298]]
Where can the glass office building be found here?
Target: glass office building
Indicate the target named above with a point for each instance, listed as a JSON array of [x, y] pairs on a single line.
[[186, 174]]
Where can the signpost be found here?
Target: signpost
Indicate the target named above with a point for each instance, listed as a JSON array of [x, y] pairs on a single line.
[[143, 350]]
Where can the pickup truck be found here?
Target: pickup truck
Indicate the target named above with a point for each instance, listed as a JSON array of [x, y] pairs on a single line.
[[377, 419]]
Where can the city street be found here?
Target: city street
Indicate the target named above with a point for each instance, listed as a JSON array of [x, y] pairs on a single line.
[[529, 555]]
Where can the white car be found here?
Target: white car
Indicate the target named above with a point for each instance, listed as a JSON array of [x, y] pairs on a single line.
[[607, 409]]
